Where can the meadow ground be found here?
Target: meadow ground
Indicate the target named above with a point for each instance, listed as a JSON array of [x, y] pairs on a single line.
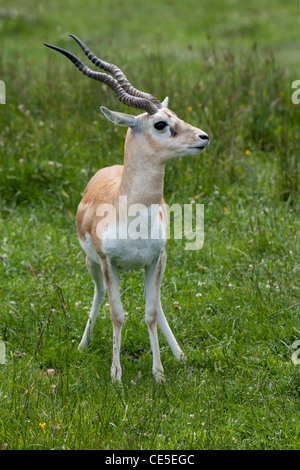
[[227, 67]]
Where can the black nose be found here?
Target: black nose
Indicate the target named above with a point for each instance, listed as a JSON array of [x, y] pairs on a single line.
[[204, 136]]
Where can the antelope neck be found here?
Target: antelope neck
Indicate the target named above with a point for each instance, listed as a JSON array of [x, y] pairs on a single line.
[[142, 181]]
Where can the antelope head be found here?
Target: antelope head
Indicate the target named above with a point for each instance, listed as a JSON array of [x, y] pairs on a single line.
[[158, 131]]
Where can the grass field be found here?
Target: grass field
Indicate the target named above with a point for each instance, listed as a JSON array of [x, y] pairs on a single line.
[[227, 68]]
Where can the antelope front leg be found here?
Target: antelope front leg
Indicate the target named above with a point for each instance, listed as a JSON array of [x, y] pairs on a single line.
[[151, 311], [111, 277]]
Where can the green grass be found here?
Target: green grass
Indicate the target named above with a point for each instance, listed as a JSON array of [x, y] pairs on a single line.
[[234, 67]]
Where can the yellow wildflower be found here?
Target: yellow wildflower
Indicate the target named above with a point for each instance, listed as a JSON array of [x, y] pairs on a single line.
[[247, 152], [189, 108], [43, 426]]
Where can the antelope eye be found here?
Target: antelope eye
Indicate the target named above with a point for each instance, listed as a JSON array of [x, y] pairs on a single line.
[[160, 125]]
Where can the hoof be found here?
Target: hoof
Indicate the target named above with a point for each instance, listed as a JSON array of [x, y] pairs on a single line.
[[159, 376], [82, 346], [116, 374], [180, 356]]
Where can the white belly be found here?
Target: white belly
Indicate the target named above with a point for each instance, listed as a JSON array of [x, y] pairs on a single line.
[[129, 254]]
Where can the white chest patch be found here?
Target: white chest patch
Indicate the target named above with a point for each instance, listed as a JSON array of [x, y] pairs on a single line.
[[133, 244]]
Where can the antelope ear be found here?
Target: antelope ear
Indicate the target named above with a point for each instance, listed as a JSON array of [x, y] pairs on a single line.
[[165, 102], [121, 119]]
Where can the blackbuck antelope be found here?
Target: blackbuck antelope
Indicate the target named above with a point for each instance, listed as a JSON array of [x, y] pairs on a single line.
[[106, 209]]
